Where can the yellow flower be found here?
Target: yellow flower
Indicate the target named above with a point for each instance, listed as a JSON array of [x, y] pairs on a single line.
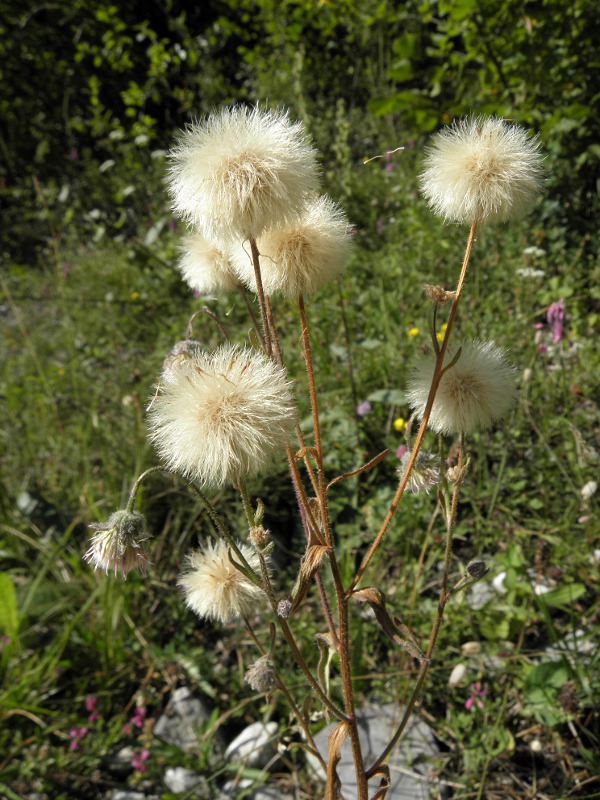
[[441, 333], [134, 295], [412, 332], [399, 424]]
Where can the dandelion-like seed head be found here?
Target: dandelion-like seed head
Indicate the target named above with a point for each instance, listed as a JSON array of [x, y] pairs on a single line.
[[119, 544], [241, 171], [205, 267], [474, 393], [298, 258], [223, 417], [214, 588], [482, 170], [425, 472]]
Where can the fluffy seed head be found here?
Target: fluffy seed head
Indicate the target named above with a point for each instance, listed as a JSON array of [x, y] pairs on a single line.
[[214, 589], [241, 171], [205, 267], [475, 392], [223, 416], [481, 170], [298, 258], [119, 543]]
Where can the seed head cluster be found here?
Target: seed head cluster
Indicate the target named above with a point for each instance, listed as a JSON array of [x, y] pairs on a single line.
[[481, 170], [475, 392], [241, 171], [214, 588], [222, 416], [298, 258]]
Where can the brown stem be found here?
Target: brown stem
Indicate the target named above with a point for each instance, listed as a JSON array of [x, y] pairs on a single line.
[[443, 599], [286, 693], [261, 296], [439, 366], [342, 599], [252, 316]]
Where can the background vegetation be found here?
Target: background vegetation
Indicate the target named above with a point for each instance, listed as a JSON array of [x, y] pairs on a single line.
[[91, 96]]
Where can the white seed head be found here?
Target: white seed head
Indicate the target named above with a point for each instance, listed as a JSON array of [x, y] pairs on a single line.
[[298, 258], [214, 588], [261, 675], [241, 171], [205, 267], [223, 417], [474, 393], [482, 169]]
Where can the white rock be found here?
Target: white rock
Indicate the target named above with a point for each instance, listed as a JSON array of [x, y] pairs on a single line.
[[179, 779], [409, 770], [498, 583], [590, 489], [182, 716], [255, 745], [457, 675]]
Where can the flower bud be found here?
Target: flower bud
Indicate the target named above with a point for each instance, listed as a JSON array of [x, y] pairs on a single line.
[[261, 675]]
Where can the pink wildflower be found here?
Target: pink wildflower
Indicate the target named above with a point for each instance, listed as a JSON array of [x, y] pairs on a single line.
[[401, 451], [139, 759], [556, 317], [475, 698], [363, 408]]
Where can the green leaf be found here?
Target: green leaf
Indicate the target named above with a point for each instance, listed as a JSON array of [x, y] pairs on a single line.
[[9, 615], [564, 596], [392, 396]]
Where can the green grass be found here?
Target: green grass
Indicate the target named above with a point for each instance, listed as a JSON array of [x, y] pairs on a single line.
[[83, 339]]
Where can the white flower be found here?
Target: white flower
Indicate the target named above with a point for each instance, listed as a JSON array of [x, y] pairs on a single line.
[[530, 272], [119, 544], [298, 258], [481, 170], [223, 416], [478, 390], [589, 490], [241, 171], [214, 588], [205, 267]]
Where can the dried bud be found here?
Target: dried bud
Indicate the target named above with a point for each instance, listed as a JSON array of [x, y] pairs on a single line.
[[118, 544], [438, 295], [424, 474], [477, 569], [455, 474], [284, 609], [259, 537], [261, 675]]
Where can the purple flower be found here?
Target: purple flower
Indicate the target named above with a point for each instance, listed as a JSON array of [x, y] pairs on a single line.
[[402, 449], [363, 408], [555, 317]]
